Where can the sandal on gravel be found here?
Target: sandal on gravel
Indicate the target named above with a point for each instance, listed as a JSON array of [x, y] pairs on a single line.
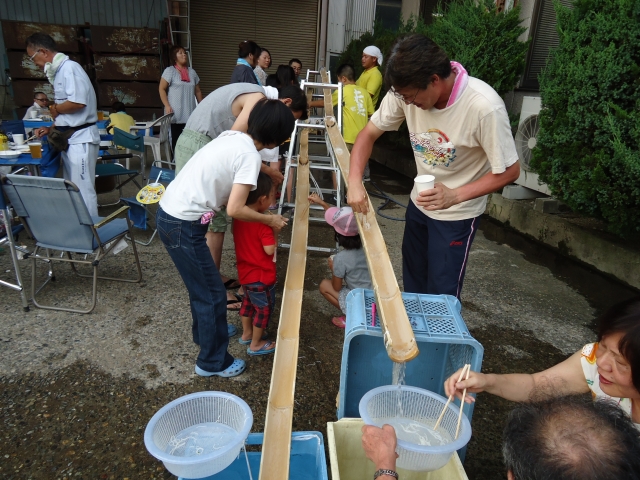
[[236, 368], [248, 342], [232, 284], [233, 302], [264, 350], [340, 322], [232, 331]]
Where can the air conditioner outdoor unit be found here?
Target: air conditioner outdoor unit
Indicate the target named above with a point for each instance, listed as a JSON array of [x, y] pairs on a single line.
[[526, 138]]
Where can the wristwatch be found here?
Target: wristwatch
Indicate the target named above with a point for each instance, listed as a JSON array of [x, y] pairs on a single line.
[[383, 471]]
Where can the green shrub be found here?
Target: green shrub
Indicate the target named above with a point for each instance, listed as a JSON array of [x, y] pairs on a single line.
[[484, 41], [589, 140]]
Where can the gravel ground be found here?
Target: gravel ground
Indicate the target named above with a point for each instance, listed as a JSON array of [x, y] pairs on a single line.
[[78, 390]]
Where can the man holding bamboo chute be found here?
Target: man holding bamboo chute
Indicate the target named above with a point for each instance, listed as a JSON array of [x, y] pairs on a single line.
[[460, 134]]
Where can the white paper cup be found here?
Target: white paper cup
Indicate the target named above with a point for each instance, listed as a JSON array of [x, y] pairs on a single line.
[[18, 138], [33, 113], [424, 182]]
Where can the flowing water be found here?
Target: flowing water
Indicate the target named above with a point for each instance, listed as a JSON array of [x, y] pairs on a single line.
[[200, 439], [397, 378], [397, 374]]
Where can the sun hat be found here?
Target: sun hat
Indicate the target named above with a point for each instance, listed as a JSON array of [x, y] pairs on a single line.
[[374, 52], [342, 220]]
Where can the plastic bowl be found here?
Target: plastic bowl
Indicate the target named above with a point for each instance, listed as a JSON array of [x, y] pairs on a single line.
[[218, 409], [424, 407], [9, 155]]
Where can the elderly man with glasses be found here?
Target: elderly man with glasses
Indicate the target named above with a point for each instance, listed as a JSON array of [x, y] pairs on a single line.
[[460, 134], [74, 113], [40, 101]]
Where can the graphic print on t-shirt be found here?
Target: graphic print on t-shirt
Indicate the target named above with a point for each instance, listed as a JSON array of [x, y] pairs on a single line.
[[359, 107], [434, 146]]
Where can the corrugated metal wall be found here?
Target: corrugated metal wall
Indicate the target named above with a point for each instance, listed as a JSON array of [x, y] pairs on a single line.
[[336, 26], [119, 13], [360, 17]]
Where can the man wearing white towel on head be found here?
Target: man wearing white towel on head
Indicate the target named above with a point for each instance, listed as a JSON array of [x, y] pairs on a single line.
[[371, 81]]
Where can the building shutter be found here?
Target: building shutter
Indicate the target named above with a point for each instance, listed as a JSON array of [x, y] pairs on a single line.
[[287, 28], [544, 38]]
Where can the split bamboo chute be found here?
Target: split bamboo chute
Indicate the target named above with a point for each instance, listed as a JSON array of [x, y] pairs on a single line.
[[274, 463], [399, 339]]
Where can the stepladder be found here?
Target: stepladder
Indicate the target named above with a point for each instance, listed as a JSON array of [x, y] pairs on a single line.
[[322, 160]]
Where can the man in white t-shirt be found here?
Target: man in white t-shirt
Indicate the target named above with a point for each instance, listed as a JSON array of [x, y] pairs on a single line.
[[75, 108], [460, 133]]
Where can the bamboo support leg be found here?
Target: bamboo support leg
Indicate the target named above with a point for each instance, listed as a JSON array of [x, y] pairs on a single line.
[[399, 339], [274, 463]]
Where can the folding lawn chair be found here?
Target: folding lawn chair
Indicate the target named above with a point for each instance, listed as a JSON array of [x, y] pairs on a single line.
[[7, 238], [109, 170], [56, 216], [162, 140], [139, 213]]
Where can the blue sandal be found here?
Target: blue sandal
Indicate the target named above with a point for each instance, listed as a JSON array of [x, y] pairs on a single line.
[[248, 342], [264, 350], [236, 368]]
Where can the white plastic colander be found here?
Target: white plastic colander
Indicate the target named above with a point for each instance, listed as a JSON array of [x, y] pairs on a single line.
[[422, 407], [200, 434]]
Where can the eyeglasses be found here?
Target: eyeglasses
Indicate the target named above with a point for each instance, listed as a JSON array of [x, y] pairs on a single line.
[[40, 99], [399, 96], [33, 56]]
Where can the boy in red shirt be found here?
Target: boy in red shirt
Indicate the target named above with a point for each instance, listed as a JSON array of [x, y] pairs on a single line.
[[255, 245]]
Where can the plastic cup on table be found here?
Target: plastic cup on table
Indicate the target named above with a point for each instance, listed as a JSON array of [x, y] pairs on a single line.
[[424, 182], [33, 113], [100, 115], [18, 139], [35, 148]]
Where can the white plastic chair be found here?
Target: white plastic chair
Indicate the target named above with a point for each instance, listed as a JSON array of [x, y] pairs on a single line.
[[156, 143]]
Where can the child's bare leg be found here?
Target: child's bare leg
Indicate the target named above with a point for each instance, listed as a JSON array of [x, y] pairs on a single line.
[[257, 342], [328, 292], [247, 328]]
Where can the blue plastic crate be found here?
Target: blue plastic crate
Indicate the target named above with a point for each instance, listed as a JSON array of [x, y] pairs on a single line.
[[443, 339], [307, 460]]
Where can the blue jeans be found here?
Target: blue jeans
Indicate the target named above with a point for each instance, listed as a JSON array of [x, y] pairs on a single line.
[[185, 241], [435, 253]]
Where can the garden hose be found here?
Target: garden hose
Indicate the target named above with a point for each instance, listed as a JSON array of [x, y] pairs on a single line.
[[387, 199]]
